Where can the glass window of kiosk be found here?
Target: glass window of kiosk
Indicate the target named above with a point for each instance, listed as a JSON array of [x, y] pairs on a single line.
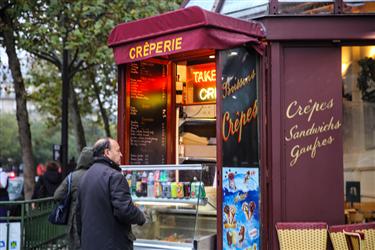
[[359, 6], [195, 86], [306, 7], [358, 93]]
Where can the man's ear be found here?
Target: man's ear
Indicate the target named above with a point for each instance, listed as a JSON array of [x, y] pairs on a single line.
[[106, 152]]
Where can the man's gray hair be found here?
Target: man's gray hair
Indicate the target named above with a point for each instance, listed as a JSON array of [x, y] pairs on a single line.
[[101, 145]]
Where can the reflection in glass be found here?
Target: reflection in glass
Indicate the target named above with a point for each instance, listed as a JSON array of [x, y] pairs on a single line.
[[358, 90], [245, 9], [306, 7], [204, 4], [361, 6]]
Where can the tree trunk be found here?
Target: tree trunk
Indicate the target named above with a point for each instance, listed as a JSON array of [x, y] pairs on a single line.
[[76, 120], [22, 113], [103, 112]]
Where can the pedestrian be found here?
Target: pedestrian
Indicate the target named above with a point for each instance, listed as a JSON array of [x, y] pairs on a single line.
[[106, 208], [4, 196], [85, 160], [48, 182]]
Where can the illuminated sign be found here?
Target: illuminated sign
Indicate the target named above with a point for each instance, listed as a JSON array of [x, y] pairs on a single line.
[[201, 83], [207, 94], [155, 48]]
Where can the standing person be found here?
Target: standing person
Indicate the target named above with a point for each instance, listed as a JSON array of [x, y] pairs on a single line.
[[106, 207], [85, 160], [4, 196], [48, 182]]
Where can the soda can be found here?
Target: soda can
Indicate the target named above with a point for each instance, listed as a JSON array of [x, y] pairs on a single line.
[[201, 193], [174, 189], [180, 190], [193, 190], [157, 189], [187, 189]]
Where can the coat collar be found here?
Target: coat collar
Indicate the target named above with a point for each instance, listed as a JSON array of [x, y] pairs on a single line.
[[106, 161]]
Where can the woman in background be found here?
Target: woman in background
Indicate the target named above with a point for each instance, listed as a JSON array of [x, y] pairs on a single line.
[[85, 160], [48, 182]]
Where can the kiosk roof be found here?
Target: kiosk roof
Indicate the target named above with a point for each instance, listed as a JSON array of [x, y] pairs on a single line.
[[179, 31]]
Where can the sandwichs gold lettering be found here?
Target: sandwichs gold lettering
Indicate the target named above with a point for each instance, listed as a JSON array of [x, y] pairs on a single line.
[[294, 133]]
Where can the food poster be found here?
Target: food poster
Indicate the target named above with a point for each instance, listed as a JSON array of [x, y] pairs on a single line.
[[241, 217]]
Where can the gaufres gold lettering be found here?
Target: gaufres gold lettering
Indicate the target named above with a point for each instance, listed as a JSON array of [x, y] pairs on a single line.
[[155, 48], [298, 150], [230, 127]]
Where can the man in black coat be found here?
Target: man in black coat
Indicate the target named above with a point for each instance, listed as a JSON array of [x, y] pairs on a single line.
[[105, 204]]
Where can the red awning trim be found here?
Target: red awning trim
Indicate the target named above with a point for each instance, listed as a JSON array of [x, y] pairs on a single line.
[[180, 31]]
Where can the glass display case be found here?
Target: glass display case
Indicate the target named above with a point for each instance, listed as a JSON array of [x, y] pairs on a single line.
[[179, 206]]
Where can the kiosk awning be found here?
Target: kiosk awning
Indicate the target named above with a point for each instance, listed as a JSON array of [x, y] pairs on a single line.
[[180, 31]]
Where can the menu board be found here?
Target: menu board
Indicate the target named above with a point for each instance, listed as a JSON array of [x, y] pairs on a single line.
[[148, 113], [239, 126]]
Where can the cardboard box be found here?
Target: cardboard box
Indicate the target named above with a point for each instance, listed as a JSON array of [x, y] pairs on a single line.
[[200, 151]]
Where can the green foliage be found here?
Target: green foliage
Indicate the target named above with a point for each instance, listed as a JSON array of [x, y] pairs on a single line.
[[82, 27], [9, 146], [43, 137], [46, 27]]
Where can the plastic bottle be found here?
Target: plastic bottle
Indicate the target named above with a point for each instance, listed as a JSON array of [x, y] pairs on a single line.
[[150, 185], [144, 184], [129, 180], [133, 186]]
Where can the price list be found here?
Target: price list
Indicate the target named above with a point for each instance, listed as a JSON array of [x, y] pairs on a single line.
[[148, 113]]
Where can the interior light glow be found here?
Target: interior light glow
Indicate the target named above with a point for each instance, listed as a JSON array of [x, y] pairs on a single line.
[[372, 52], [344, 68], [211, 56], [233, 53]]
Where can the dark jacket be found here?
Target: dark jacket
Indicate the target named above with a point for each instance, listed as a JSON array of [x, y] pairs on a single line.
[[84, 162], [106, 208], [47, 184]]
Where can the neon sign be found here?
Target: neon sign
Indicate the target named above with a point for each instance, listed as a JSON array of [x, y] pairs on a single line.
[[201, 80], [207, 94]]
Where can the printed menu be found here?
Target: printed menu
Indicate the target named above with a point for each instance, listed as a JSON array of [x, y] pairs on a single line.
[[148, 113]]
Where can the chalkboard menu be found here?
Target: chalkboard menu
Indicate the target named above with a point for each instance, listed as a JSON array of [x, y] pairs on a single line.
[[148, 113], [239, 128]]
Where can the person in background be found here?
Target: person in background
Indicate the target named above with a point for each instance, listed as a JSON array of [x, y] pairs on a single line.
[[105, 204], [4, 196], [48, 182], [85, 160]]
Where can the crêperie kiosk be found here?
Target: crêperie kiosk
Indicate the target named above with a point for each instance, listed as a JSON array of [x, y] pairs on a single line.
[[189, 118]]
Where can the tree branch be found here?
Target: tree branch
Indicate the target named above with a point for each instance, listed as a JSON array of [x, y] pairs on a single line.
[[74, 69], [47, 57], [71, 64]]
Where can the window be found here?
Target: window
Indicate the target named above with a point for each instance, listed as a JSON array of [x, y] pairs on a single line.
[[306, 7], [359, 6], [358, 91]]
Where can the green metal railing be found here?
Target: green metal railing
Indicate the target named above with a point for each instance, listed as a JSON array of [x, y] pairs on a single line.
[[35, 231]]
